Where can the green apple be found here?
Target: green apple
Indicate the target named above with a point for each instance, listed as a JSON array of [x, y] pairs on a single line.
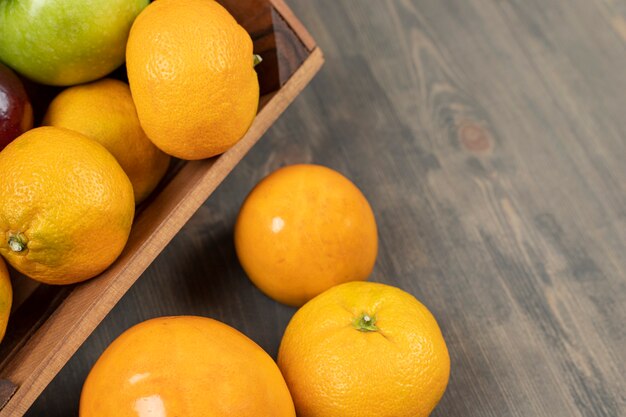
[[65, 42]]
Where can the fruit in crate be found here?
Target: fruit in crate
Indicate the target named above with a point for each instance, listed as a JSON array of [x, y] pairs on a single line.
[[66, 207], [364, 349], [65, 42], [16, 112], [6, 298], [303, 229], [191, 73], [185, 366], [104, 111]]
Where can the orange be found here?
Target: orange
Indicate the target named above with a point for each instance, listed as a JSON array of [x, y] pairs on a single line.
[[66, 206], [190, 69], [364, 350], [104, 111], [188, 367], [303, 229], [6, 298]]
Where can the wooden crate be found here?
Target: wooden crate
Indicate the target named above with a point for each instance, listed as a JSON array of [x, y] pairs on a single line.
[[49, 323]]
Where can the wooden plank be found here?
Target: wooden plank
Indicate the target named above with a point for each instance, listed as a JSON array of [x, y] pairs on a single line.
[[7, 389], [508, 216], [488, 136], [294, 23], [272, 30], [55, 342], [283, 53], [23, 288], [44, 342]]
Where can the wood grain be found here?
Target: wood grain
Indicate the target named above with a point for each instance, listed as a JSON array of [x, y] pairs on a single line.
[[7, 389], [489, 137], [271, 27]]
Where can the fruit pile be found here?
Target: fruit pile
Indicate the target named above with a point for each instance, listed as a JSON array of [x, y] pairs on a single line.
[[69, 186], [306, 236]]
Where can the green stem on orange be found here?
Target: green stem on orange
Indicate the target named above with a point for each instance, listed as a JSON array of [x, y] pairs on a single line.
[[365, 323], [256, 60], [17, 242]]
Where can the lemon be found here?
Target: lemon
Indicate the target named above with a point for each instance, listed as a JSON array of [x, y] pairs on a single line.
[[104, 111], [66, 206], [191, 71], [6, 297]]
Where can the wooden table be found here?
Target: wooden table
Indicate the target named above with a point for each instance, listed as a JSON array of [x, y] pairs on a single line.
[[490, 139]]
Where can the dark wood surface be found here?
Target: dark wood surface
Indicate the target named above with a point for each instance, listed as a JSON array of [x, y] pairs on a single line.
[[490, 139]]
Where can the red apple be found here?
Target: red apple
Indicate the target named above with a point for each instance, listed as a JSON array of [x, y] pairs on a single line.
[[16, 112]]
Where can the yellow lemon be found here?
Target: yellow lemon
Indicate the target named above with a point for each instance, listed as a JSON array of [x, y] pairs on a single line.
[[66, 206], [104, 111], [303, 229], [6, 298], [363, 349], [191, 71], [185, 367]]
